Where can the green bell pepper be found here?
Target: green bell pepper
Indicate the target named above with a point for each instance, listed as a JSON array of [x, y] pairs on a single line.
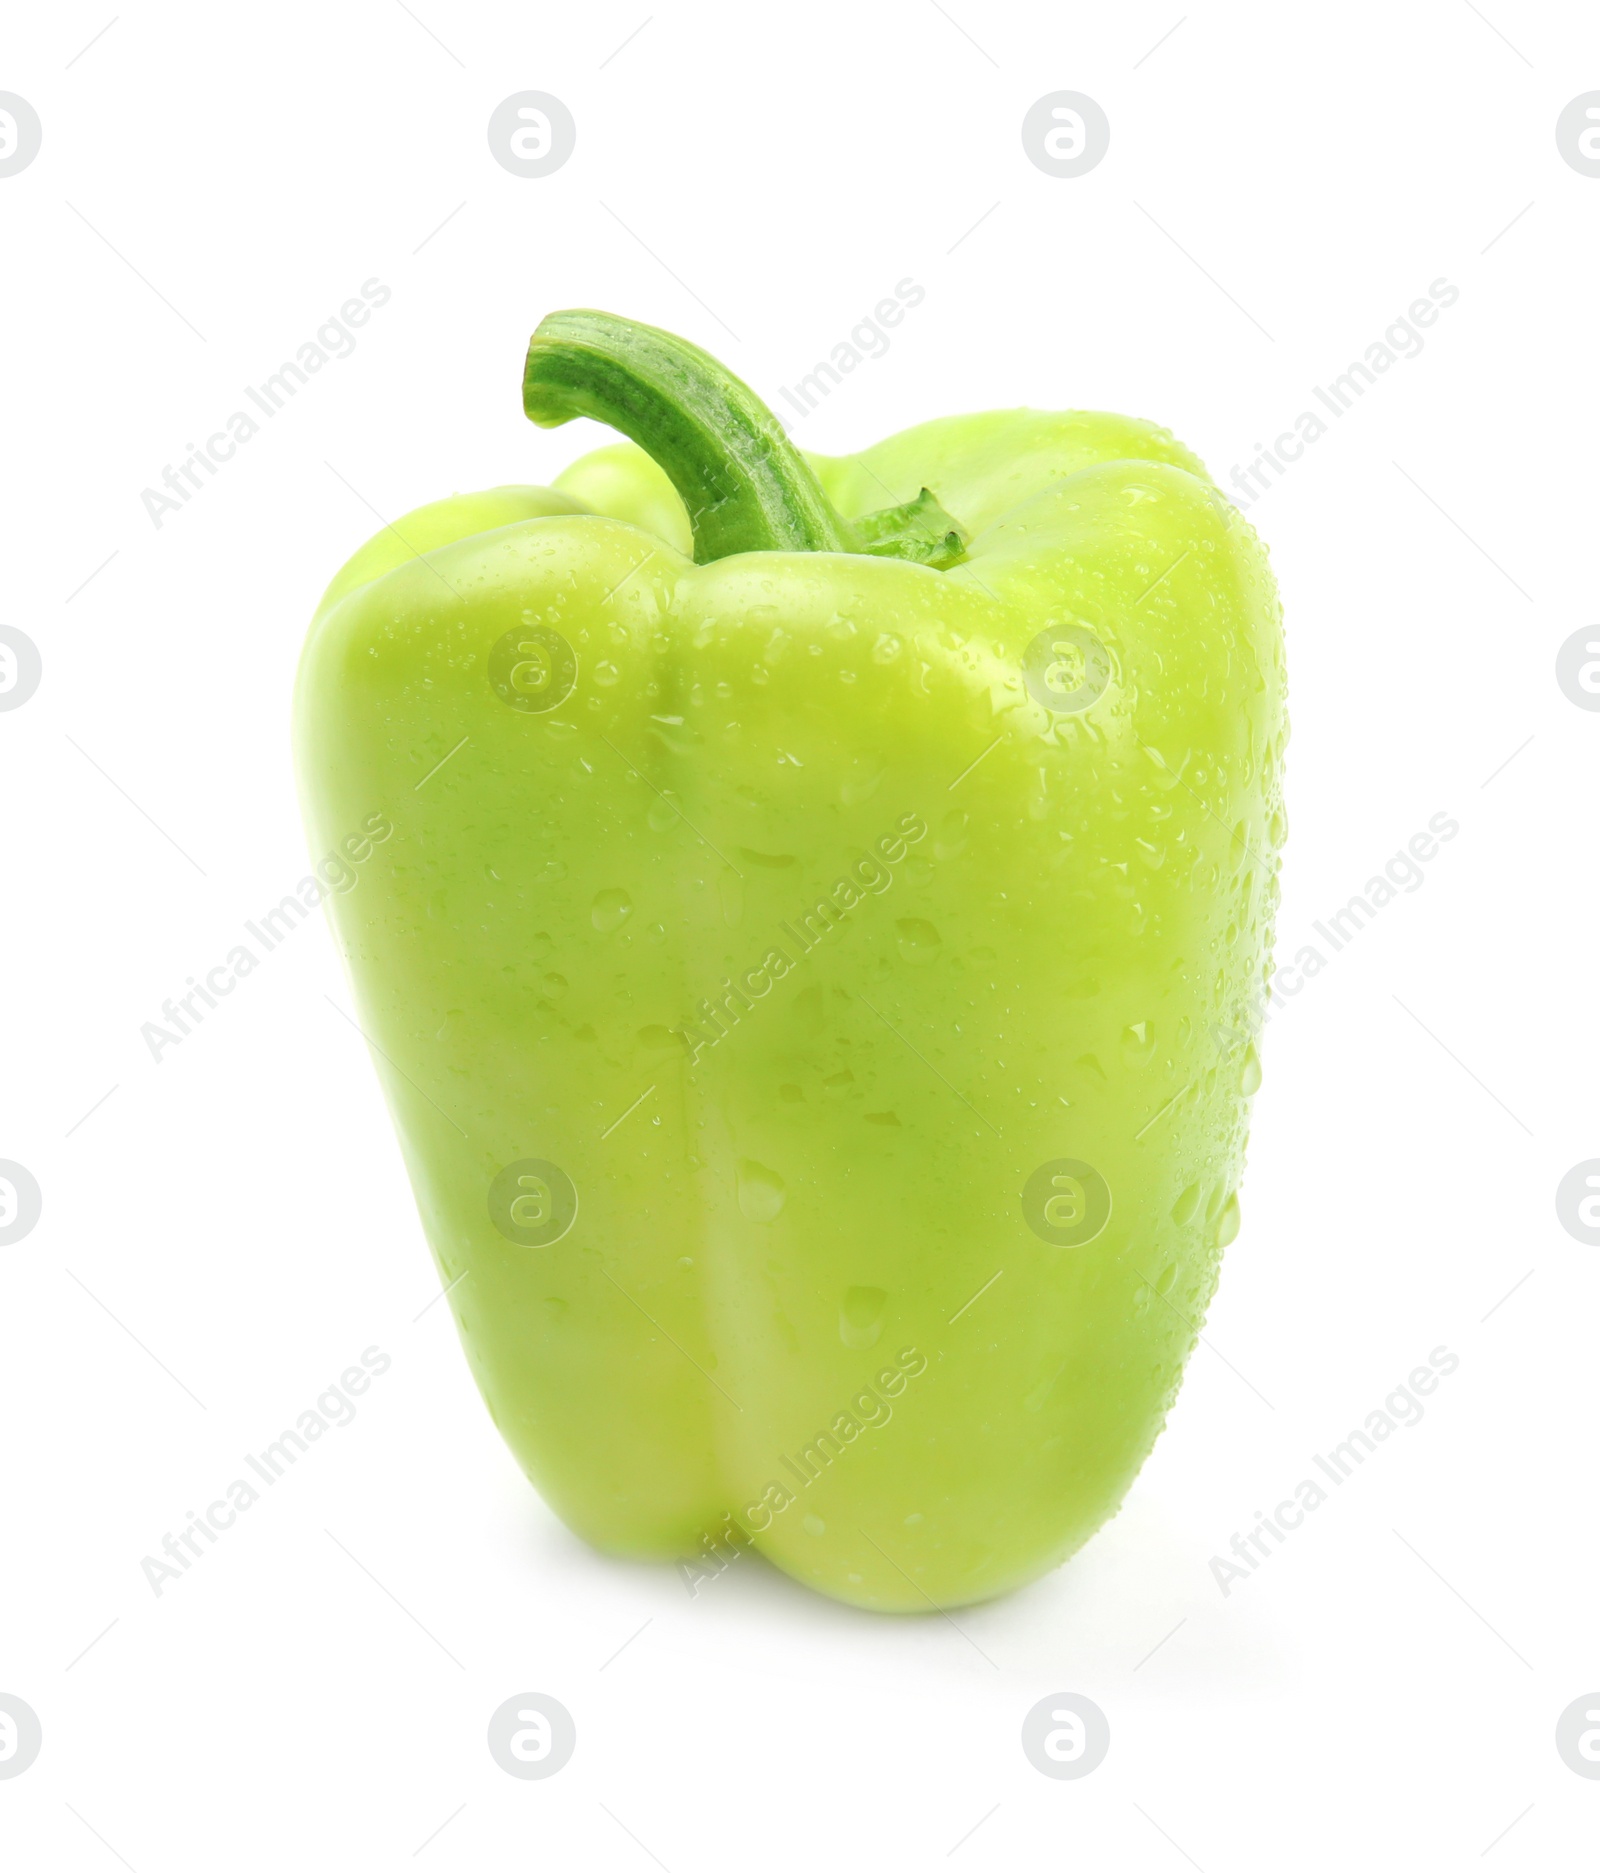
[[806, 967]]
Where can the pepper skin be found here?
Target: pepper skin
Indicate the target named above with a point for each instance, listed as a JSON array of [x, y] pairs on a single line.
[[813, 979]]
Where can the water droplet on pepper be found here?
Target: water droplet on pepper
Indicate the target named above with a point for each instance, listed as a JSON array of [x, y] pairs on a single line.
[[762, 1192]]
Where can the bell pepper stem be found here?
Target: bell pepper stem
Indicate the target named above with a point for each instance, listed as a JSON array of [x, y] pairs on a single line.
[[920, 531], [746, 487]]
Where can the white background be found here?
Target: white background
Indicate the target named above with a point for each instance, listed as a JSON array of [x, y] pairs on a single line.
[[229, 1228]]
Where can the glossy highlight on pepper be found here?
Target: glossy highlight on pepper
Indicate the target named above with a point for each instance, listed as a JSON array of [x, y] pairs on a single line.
[[806, 972]]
